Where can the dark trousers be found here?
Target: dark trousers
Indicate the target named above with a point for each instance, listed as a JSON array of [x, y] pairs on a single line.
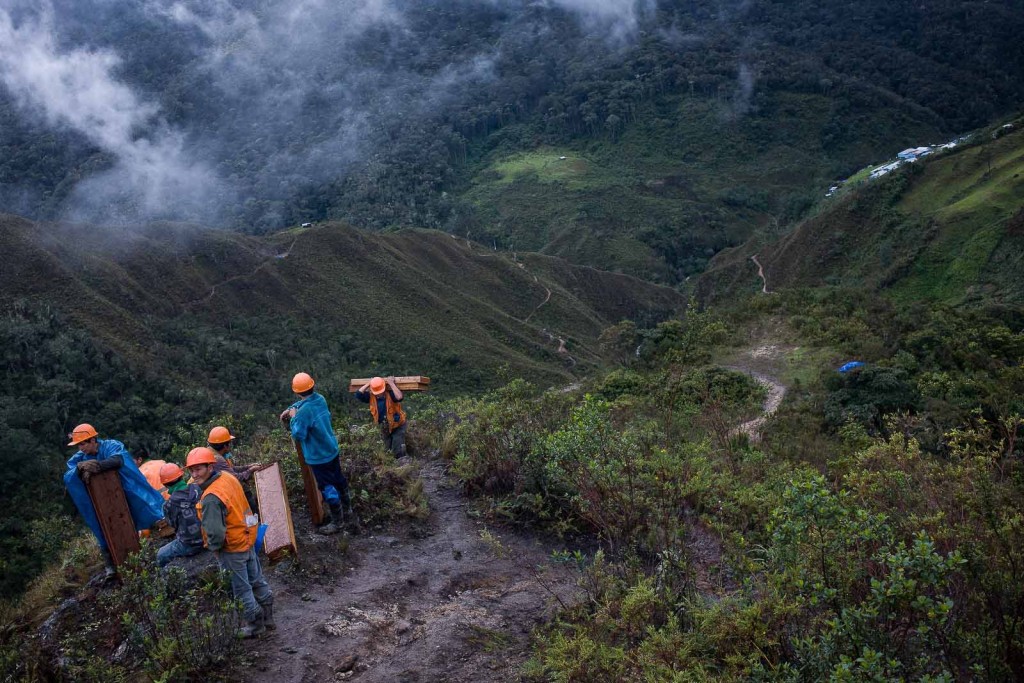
[[329, 474], [394, 441]]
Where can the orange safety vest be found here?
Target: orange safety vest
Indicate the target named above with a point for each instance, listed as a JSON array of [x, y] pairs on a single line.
[[396, 416], [238, 537], [151, 471]]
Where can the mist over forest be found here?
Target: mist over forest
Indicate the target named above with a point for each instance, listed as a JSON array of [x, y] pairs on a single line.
[[257, 114]]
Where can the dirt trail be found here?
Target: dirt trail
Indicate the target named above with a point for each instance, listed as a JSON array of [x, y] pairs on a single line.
[[434, 604], [761, 364], [234, 278], [760, 274], [541, 304]]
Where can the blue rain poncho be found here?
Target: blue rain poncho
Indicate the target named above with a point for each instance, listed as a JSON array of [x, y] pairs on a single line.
[[311, 427], [852, 365], [144, 501]]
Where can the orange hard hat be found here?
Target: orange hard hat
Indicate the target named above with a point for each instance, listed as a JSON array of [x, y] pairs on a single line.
[[170, 473], [302, 382], [377, 385], [82, 432], [200, 456], [219, 435]]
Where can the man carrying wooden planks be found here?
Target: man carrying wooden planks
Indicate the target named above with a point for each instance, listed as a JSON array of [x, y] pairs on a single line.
[[385, 399], [97, 455], [309, 420]]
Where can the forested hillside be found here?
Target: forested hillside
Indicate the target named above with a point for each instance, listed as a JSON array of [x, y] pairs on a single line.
[[149, 331], [686, 125], [735, 429]]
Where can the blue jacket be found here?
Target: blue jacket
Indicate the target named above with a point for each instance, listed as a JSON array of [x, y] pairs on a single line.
[[144, 501], [311, 427]]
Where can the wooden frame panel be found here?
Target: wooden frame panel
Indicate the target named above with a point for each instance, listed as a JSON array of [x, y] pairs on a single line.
[[114, 516], [272, 495]]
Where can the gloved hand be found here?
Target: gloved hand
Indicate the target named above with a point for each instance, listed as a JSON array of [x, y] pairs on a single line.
[[287, 414], [90, 466], [87, 468]]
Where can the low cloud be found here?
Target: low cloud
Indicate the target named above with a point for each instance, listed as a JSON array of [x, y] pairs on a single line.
[[76, 88], [277, 96]]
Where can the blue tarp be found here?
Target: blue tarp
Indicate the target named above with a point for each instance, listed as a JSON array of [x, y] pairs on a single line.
[[145, 502], [851, 365]]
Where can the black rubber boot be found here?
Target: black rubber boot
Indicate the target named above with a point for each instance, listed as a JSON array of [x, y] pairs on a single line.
[[268, 615], [352, 521], [337, 519], [254, 628]]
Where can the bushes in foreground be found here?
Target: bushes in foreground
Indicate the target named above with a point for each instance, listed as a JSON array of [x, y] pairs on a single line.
[[877, 559]]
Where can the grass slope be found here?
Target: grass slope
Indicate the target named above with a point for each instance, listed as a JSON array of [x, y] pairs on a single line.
[[947, 229], [415, 301], [685, 180]]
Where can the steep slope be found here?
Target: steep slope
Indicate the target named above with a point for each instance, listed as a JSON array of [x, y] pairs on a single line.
[[684, 181], [412, 301], [947, 229]]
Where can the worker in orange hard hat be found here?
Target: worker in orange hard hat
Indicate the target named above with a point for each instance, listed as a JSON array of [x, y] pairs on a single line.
[[385, 399], [182, 513], [310, 422], [230, 528], [151, 470], [221, 440], [96, 455]]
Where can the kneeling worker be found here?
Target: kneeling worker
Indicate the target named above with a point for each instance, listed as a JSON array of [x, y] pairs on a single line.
[[385, 399], [230, 530], [181, 513], [310, 422]]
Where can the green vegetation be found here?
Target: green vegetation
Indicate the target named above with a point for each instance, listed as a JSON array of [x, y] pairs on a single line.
[[139, 347], [165, 625], [945, 229], [703, 126], [658, 201], [873, 533]]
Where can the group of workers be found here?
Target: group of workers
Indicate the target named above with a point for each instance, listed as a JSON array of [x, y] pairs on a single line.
[[209, 508]]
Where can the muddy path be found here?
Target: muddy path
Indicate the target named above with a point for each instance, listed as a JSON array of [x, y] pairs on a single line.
[[773, 399], [763, 363], [436, 602]]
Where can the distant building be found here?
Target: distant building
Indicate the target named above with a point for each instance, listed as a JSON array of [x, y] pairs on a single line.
[[887, 168], [914, 153]]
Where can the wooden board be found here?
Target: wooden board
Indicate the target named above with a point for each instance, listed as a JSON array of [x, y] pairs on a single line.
[[113, 514], [411, 383], [313, 497], [275, 512]]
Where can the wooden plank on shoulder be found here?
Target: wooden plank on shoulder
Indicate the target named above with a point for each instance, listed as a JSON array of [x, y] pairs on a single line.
[[313, 497], [114, 516], [409, 383], [275, 512]]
